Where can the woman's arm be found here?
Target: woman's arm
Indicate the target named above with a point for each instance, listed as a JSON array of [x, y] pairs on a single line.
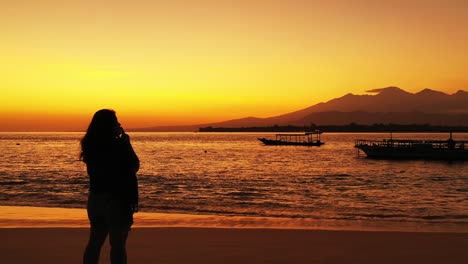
[[131, 156], [133, 164]]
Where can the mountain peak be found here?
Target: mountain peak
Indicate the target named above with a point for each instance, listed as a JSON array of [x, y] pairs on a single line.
[[348, 95], [391, 90], [461, 92], [428, 91]]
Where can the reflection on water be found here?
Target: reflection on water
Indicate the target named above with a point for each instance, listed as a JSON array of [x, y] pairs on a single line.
[[235, 175]]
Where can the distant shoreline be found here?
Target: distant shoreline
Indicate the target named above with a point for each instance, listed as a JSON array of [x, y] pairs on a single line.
[[376, 128], [350, 128]]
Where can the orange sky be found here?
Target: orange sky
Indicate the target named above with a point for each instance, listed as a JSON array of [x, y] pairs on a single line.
[[181, 62]]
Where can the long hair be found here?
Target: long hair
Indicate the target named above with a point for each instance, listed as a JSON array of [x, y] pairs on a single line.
[[100, 132]]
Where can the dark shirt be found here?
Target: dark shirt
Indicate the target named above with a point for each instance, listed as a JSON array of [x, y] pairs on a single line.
[[112, 168]]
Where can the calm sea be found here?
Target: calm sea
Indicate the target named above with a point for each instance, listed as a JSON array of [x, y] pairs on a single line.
[[233, 174]]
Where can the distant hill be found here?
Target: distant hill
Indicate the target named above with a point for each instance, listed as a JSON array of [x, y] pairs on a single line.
[[394, 99], [384, 105]]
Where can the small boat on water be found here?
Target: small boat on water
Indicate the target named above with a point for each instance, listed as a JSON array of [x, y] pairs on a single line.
[[414, 149], [295, 139]]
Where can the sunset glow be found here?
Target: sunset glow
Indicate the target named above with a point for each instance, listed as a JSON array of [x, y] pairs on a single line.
[[191, 62]]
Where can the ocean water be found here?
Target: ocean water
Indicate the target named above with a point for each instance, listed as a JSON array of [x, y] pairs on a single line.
[[233, 174]]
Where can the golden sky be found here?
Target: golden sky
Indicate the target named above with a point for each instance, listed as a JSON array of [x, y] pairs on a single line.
[[189, 62]]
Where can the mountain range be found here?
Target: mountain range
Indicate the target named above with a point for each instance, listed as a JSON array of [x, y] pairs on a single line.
[[383, 105]]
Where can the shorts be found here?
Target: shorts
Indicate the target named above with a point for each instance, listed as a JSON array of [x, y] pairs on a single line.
[[107, 211]]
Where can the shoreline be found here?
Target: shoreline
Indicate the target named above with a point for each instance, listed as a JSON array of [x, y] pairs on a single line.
[[58, 235], [49, 217]]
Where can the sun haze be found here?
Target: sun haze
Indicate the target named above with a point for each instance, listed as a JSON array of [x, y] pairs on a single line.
[[191, 62]]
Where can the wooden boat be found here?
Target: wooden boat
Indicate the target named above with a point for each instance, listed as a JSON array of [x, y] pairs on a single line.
[[295, 139], [414, 149]]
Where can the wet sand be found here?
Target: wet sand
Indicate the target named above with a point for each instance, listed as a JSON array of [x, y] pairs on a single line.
[[220, 245]]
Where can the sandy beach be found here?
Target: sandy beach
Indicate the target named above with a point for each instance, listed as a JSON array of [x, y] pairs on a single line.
[[59, 235], [217, 245]]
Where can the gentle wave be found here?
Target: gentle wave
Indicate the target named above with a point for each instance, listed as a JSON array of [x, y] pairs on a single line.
[[14, 182]]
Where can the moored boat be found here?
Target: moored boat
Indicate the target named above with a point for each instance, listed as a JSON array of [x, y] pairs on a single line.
[[295, 139], [414, 149]]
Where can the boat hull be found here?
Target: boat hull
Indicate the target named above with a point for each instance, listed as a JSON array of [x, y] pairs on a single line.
[[271, 142], [379, 152]]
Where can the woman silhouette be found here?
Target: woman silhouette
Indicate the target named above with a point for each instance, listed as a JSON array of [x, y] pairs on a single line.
[[111, 164]]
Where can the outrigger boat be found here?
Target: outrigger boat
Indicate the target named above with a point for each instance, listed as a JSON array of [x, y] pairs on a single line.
[[296, 139], [414, 149]]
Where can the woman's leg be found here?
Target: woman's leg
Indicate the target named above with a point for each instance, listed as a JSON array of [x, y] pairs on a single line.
[[96, 208], [118, 240], [93, 249]]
